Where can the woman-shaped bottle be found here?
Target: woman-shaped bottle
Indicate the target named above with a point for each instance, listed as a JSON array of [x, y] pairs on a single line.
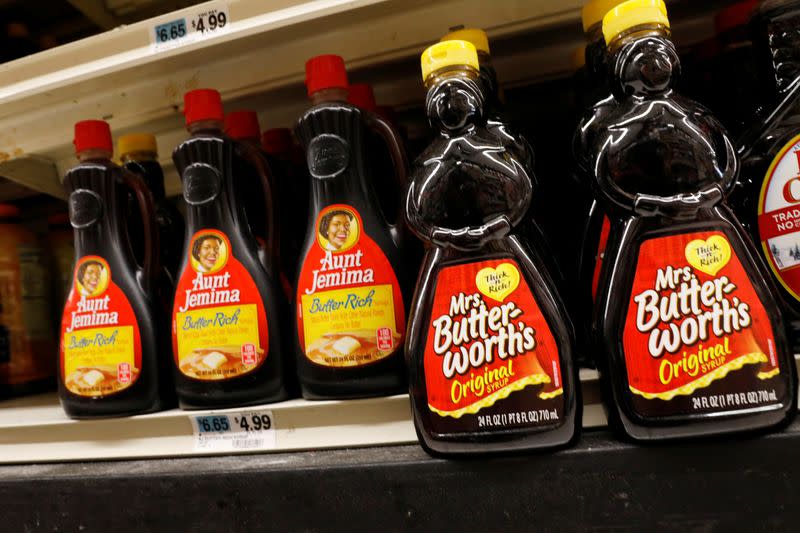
[[686, 313], [490, 347]]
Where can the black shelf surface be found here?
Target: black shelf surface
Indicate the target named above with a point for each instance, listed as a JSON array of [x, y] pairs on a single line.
[[736, 484]]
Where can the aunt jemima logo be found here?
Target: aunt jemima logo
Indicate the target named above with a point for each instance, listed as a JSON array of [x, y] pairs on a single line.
[[92, 276], [338, 232], [208, 256]]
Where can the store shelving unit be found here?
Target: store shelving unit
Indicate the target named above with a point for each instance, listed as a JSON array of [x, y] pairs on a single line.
[[362, 451], [258, 63]]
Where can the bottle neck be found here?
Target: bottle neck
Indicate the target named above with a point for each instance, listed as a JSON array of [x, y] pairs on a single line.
[[447, 73], [94, 154], [638, 32], [331, 94], [138, 156], [202, 126]]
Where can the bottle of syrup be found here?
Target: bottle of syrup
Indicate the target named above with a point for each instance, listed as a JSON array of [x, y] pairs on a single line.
[[139, 154], [490, 347], [291, 185], [353, 280], [226, 337], [768, 192], [686, 312], [111, 361], [597, 90]]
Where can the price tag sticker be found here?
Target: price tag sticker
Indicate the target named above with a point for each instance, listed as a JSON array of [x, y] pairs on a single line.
[[231, 432], [205, 22]]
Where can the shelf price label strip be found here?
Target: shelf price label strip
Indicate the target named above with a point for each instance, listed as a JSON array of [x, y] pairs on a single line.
[[231, 432], [203, 23]]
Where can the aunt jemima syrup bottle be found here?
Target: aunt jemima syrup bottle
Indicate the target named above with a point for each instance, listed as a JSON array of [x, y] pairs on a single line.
[[111, 342], [351, 307], [225, 334], [768, 198], [694, 340], [139, 154], [489, 347]]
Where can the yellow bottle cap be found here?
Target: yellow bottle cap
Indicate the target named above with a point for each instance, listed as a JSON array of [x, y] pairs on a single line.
[[448, 54], [136, 142], [594, 11], [476, 36], [631, 14]]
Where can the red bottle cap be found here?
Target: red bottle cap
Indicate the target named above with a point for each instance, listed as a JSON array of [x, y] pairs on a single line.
[[202, 104], [92, 134], [325, 72], [277, 141], [734, 16], [361, 95], [242, 125]]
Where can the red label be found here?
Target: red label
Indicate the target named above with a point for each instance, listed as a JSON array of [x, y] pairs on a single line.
[[488, 341], [695, 320], [605, 231], [349, 305], [219, 325], [101, 350], [779, 217]]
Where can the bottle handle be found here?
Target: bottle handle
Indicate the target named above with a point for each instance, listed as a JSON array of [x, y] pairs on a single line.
[[253, 155], [144, 200], [394, 143]]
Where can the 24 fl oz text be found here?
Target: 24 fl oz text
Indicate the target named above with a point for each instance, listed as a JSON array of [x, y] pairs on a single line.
[[734, 399], [516, 418]]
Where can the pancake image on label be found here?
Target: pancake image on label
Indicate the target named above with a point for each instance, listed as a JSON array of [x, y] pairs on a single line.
[[353, 348], [101, 379], [221, 362]]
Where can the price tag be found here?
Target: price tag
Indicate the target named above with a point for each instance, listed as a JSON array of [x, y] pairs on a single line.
[[228, 432], [203, 23]]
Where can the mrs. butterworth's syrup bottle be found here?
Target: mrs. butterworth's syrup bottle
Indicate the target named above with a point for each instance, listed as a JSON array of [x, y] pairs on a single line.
[[225, 335], [112, 345], [490, 347], [353, 277], [694, 340], [768, 196]]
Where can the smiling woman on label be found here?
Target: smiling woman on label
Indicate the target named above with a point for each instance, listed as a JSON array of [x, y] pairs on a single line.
[[208, 253], [338, 230], [89, 277]]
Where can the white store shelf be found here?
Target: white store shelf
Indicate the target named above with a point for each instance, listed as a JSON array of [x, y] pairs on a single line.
[[35, 429]]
